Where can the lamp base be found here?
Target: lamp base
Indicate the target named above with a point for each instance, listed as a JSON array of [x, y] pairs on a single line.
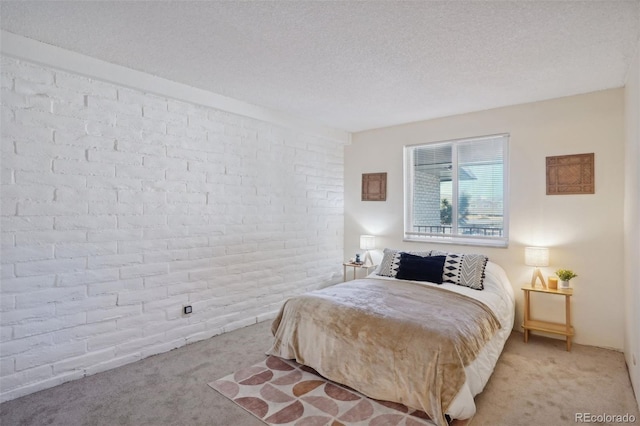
[[367, 259], [537, 274]]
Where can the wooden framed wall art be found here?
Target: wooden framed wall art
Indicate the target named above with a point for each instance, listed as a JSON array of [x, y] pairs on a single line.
[[374, 187], [571, 174]]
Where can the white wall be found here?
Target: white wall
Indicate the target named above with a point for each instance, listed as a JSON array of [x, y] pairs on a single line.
[[119, 207], [632, 223], [584, 232]]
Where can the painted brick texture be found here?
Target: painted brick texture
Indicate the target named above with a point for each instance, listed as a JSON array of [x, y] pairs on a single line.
[[119, 207]]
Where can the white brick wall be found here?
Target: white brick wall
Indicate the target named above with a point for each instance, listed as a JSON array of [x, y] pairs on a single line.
[[119, 207], [426, 209]]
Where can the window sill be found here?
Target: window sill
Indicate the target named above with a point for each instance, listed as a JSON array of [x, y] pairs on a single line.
[[462, 241]]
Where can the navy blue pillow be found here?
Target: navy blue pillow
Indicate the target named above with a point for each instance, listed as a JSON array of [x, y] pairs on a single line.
[[418, 268]]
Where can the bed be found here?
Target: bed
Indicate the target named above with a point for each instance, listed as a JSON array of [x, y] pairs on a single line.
[[425, 344]]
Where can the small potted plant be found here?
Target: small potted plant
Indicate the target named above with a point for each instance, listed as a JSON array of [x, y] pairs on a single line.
[[565, 275]]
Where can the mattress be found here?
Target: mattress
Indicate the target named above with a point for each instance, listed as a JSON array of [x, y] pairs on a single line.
[[308, 323]]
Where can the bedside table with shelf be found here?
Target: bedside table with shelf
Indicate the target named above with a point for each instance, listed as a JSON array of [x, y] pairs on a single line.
[[355, 267], [529, 324]]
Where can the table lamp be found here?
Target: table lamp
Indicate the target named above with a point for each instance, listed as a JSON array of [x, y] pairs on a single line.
[[367, 242], [536, 256]]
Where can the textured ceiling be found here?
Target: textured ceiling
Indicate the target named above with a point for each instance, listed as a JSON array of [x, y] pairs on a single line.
[[353, 65]]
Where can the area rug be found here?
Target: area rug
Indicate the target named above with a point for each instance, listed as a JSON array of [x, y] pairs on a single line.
[[281, 392]]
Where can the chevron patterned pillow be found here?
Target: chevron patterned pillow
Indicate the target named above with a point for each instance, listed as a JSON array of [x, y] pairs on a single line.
[[465, 269]]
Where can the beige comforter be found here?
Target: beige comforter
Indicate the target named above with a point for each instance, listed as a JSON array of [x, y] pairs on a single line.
[[391, 340]]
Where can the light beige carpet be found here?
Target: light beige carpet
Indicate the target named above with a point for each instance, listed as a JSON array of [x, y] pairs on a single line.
[[538, 383]]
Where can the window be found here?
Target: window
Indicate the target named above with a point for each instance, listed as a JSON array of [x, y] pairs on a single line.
[[456, 191]]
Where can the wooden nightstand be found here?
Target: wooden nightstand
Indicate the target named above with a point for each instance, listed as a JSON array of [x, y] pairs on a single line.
[[355, 267], [529, 324]]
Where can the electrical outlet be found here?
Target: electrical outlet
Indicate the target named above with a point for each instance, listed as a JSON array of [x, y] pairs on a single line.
[[187, 309]]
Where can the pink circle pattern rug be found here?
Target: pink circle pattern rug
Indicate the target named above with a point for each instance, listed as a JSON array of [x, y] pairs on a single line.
[[282, 392]]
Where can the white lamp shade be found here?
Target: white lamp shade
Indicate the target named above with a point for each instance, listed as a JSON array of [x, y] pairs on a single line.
[[367, 242], [536, 256]]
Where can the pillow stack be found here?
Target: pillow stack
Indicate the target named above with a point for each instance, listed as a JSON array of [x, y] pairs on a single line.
[[391, 261], [436, 267]]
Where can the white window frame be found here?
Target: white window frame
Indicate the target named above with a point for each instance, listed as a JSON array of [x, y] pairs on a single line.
[[476, 240]]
